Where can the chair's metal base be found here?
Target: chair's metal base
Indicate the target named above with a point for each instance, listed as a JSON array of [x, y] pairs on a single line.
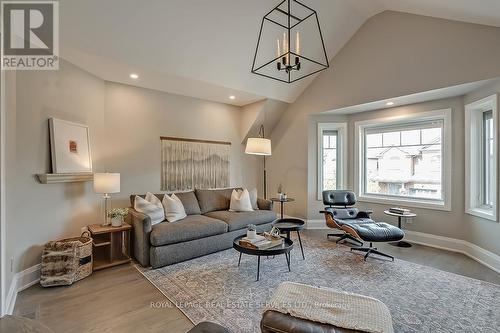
[[371, 250], [345, 237]]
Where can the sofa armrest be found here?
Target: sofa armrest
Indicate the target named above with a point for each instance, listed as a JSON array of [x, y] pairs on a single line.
[[141, 224], [264, 204]]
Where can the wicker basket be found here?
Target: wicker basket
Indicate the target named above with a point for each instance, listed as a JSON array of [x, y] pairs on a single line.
[[66, 261]]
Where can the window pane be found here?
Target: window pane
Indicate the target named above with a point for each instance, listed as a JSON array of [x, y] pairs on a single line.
[[391, 139], [408, 165], [330, 160], [374, 140], [488, 155], [410, 138]]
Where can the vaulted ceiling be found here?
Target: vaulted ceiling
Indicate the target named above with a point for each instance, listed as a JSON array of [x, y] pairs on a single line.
[[205, 48]]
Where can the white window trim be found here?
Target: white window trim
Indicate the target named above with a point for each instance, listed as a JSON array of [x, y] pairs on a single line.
[[341, 129], [445, 116], [472, 167]]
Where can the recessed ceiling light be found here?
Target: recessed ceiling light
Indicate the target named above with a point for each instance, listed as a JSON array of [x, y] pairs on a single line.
[[389, 103], [232, 97], [134, 76]]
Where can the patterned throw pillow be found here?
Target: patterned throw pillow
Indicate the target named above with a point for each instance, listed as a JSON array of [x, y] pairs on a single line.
[[150, 206], [174, 209], [240, 201]]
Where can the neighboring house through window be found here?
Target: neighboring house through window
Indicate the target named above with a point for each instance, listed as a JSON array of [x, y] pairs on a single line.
[[402, 160]]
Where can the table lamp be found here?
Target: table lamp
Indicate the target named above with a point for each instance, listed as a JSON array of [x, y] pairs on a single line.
[[105, 184]]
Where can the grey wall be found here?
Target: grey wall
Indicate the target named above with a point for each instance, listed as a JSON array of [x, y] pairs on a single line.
[[135, 118], [37, 213], [480, 231], [443, 223], [392, 54], [125, 126]]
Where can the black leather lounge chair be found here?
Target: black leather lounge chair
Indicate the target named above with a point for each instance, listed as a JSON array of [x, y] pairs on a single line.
[[357, 225]]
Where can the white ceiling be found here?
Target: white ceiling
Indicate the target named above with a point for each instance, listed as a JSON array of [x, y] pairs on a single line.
[[205, 48]]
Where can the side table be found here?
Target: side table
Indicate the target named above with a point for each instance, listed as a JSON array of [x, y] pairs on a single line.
[[400, 217], [111, 245], [282, 203]]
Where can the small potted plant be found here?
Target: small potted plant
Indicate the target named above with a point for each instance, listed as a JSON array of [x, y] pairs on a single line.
[[251, 231], [117, 215]]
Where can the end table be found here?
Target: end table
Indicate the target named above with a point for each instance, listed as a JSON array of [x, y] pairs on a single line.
[[400, 217], [282, 203], [111, 245]]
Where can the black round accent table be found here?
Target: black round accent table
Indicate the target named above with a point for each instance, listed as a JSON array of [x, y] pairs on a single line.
[[282, 204], [291, 224], [400, 217], [284, 248]]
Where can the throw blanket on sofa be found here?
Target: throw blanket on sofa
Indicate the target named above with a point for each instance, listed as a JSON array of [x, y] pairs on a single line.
[[324, 305]]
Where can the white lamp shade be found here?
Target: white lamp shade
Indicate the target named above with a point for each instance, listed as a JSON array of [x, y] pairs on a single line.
[[258, 146], [105, 183]]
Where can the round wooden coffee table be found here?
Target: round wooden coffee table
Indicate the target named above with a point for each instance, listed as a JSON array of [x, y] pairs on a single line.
[[284, 248]]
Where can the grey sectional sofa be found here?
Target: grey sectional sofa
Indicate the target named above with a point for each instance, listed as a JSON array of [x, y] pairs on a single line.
[[209, 227]]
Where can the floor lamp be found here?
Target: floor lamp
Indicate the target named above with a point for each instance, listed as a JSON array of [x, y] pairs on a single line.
[[260, 146]]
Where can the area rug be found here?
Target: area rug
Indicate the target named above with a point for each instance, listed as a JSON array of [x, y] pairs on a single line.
[[421, 299]]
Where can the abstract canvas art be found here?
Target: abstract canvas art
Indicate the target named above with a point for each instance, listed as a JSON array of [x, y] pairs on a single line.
[[188, 164]]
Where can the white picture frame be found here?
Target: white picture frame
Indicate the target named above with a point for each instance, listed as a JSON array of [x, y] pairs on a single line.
[[70, 147]]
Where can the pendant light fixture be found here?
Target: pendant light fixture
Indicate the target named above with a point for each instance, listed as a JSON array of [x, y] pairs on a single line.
[[284, 26]]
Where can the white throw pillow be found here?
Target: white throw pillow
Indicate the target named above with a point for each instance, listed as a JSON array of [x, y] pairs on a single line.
[[155, 212], [240, 201], [174, 209], [253, 199]]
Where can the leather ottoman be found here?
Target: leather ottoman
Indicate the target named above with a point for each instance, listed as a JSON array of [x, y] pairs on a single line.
[[277, 322]]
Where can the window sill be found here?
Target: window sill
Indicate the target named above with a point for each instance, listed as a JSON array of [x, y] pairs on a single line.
[[438, 205], [487, 214]]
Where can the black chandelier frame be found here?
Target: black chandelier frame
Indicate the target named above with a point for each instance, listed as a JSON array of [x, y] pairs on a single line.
[[289, 54]]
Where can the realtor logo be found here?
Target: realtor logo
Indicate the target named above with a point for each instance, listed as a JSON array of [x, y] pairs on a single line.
[[30, 35]]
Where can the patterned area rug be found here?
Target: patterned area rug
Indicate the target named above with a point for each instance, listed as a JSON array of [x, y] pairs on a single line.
[[420, 298]]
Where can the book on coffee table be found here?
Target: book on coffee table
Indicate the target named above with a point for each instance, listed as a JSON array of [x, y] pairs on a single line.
[[261, 243]]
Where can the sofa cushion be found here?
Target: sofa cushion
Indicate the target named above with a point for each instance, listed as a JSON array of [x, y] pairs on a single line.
[[190, 202], [240, 220], [211, 200], [192, 227]]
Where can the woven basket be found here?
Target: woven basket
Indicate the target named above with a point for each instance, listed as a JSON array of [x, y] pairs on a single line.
[[66, 261]]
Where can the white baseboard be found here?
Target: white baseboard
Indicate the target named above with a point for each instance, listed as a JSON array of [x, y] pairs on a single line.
[[316, 224], [21, 281], [485, 257]]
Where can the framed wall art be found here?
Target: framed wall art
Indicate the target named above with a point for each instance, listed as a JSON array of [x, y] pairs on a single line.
[[70, 147]]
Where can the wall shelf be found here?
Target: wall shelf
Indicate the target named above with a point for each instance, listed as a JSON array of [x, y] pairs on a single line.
[[51, 178]]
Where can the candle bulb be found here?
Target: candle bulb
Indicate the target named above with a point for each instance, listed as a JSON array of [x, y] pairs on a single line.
[[278, 53], [284, 43], [297, 43]]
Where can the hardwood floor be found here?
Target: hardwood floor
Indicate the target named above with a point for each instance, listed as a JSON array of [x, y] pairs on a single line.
[[120, 299]]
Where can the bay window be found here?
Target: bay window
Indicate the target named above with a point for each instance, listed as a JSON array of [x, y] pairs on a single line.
[[405, 160]]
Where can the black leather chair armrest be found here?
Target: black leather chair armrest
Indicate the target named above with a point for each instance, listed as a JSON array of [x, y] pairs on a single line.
[[365, 214], [325, 212]]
